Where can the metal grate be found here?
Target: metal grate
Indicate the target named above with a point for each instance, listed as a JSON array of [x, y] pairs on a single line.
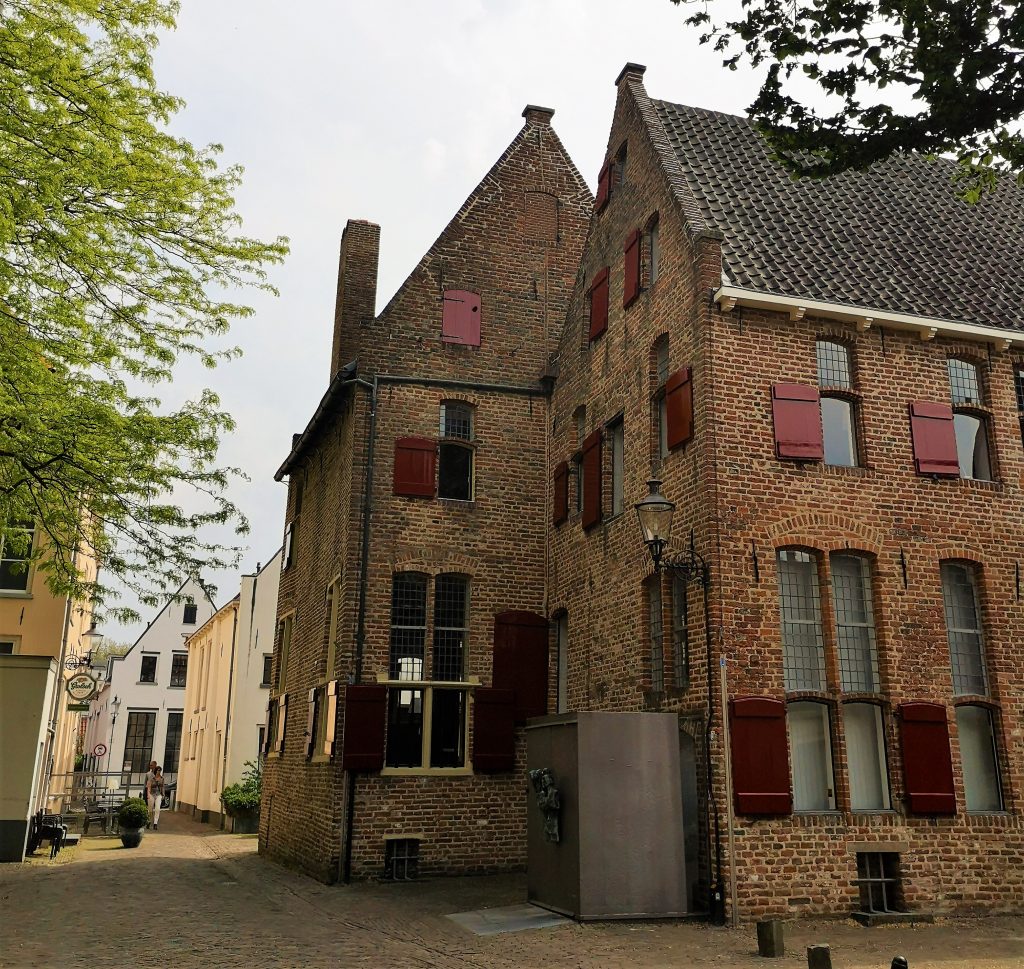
[[451, 596], [963, 626], [401, 859], [657, 637], [803, 649], [833, 364], [408, 625], [964, 386], [879, 881], [855, 623], [457, 421]]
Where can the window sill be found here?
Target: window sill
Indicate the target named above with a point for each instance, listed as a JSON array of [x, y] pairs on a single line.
[[848, 470], [426, 772], [831, 815], [274, 755], [176, 686], [264, 686], [320, 759], [466, 503], [979, 484], [147, 683], [15, 594]]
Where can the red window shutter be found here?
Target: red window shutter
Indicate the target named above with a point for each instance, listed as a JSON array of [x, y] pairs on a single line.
[[282, 717], [796, 412], [460, 317], [679, 407], [927, 763], [494, 732], [599, 304], [592, 480], [604, 187], [631, 274], [561, 511], [310, 721], [760, 763], [365, 721], [521, 661], [415, 459], [331, 723], [931, 428]]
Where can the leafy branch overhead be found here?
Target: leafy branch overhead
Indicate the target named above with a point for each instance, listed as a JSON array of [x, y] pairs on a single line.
[[119, 250], [955, 66]]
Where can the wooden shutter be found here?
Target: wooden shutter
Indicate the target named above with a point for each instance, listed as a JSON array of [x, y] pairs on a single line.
[[592, 480], [494, 732], [631, 269], [331, 723], [796, 412], [460, 317], [927, 763], [931, 429], [415, 460], [521, 661], [561, 509], [365, 721], [268, 740], [282, 716], [599, 304], [679, 407], [310, 721], [760, 764], [604, 187]]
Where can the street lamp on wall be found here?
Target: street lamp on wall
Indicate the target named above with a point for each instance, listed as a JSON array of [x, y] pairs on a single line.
[[654, 513]]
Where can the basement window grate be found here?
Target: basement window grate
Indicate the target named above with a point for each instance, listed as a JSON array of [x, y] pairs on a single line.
[[879, 881], [401, 859]]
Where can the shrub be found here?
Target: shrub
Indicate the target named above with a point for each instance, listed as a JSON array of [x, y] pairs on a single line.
[[244, 798], [133, 813]]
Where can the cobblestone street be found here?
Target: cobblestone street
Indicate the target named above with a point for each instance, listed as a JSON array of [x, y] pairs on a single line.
[[191, 897]]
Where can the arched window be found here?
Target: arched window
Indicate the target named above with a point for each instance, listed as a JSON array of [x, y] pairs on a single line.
[[803, 650], [838, 411], [963, 627], [855, 622], [969, 422], [455, 452]]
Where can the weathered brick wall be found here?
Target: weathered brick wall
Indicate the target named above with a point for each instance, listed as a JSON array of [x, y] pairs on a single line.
[[516, 242]]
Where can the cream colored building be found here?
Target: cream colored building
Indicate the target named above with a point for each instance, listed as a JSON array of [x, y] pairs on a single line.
[[226, 693], [41, 637]]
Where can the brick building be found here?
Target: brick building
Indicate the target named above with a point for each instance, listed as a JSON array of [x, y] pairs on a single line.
[[828, 380], [412, 612]]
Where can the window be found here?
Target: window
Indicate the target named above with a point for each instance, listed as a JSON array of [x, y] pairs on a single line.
[[455, 474], [802, 646], [179, 668], [401, 859], [284, 639], [978, 759], [837, 412], [286, 553], [189, 614], [599, 304], [653, 253], [580, 417], [617, 445], [1018, 384], [855, 623], [680, 634], [148, 672], [970, 427], [562, 660], [963, 627], [879, 881], [426, 722], [865, 749], [261, 743], [631, 256], [660, 405], [655, 625], [138, 744], [6, 647], [268, 666], [15, 553], [333, 610], [172, 745], [810, 748]]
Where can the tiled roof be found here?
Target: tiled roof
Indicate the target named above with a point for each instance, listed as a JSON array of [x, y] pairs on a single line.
[[892, 238]]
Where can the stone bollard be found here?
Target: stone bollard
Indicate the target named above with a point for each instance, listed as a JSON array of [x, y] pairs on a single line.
[[770, 941], [900, 962], [819, 957]]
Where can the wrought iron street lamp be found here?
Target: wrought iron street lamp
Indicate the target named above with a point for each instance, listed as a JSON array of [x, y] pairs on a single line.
[[655, 515]]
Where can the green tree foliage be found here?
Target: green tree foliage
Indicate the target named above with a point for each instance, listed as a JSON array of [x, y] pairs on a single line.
[[959, 60], [119, 251]]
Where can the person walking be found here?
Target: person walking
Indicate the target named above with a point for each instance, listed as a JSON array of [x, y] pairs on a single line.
[[155, 795]]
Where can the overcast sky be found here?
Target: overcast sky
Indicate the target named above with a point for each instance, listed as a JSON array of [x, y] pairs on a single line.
[[388, 111]]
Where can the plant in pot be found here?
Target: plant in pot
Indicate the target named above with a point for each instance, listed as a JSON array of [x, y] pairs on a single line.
[[132, 817], [242, 801]]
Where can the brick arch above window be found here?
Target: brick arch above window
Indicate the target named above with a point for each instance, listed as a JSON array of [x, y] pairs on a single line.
[[826, 532], [433, 563]]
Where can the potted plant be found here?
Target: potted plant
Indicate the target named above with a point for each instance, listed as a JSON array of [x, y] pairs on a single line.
[[132, 817], [241, 802]]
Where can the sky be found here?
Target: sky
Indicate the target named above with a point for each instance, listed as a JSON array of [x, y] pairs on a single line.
[[392, 112]]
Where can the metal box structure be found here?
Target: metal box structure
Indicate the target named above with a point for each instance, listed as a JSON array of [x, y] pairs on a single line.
[[620, 850]]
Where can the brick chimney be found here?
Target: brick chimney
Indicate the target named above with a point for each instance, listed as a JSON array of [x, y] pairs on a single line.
[[631, 72], [357, 289], [535, 114]]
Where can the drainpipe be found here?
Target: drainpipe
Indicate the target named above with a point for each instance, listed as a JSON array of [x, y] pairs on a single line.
[[364, 575], [227, 714]]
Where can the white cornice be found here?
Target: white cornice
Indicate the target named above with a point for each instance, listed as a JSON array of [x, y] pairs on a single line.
[[864, 317]]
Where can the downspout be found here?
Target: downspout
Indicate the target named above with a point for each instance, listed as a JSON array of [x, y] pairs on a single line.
[[227, 714], [364, 573]]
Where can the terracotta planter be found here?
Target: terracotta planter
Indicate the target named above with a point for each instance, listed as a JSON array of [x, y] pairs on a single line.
[[132, 837]]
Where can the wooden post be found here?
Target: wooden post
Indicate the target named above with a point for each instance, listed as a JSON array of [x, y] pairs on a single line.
[[729, 816]]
